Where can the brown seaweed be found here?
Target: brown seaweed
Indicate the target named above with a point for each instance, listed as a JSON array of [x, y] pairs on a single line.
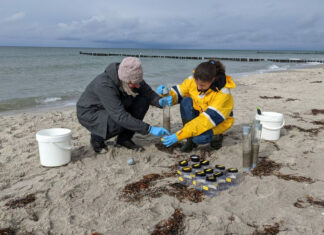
[[270, 97], [311, 131], [21, 202], [295, 178], [7, 231], [170, 149], [309, 201], [173, 225], [265, 168], [316, 82], [291, 99], [268, 230], [317, 111], [318, 122]]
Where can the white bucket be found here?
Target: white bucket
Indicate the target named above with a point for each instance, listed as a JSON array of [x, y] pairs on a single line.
[[54, 146], [271, 124]]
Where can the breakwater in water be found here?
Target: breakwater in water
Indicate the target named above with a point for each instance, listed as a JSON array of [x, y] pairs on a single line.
[[204, 58]]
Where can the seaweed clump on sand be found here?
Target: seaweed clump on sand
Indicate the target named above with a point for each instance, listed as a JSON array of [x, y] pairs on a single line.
[[170, 149], [309, 201], [291, 99], [270, 97], [173, 225], [311, 131], [268, 167], [21, 202], [138, 190], [265, 168], [7, 231], [268, 230], [317, 111], [318, 122]]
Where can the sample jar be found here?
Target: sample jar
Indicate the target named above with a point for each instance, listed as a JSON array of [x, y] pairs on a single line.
[[194, 159], [220, 168], [181, 164], [185, 177], [234, 175], [204, 164], [199, 180], [210, 186], [222, 180], [209, 171]]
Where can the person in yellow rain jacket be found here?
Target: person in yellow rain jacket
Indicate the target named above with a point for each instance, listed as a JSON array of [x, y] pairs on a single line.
[[206, 106]]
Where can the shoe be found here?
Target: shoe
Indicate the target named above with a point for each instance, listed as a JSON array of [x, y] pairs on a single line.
[[217, 141], [188, 146], [99, 146], [130, 145]]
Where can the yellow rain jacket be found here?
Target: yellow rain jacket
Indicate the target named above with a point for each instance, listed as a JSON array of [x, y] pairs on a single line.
[[215, 108]]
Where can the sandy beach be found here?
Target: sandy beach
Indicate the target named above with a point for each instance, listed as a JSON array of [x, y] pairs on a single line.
[[285, 195]]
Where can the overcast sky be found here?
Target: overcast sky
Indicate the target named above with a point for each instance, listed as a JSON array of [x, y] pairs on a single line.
[[205, 24]]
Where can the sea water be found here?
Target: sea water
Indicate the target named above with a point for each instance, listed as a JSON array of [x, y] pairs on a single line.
[[40, 77]]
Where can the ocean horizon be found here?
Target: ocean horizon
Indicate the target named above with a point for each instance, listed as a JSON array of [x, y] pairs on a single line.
[[45, 77]]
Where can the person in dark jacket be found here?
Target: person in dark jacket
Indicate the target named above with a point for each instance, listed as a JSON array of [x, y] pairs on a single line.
[[115, 103]]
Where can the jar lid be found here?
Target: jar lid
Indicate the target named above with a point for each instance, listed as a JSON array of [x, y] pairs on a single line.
[[218, 174], [200, 174], [209, 171], [196, 166], [211, 178], [232, 170], [194, 158], [183, 163], [220, 167], [204, 162], [186, 169]]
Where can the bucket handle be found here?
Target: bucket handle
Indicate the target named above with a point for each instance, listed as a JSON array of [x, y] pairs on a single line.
[[68, 148], [274, 129]]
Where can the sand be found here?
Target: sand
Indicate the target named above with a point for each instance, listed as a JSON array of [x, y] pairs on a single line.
[[84, 196]]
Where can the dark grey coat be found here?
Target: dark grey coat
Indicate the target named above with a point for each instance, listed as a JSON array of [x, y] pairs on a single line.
[[101, 106]]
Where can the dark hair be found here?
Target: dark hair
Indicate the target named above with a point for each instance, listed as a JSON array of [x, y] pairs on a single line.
[[206, 71]]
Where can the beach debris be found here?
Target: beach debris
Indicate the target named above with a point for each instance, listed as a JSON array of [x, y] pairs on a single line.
[[321, 122], [7, 231], [95, 233], [268, 230], [21, 202], [268, 167], [265, 168], [295, 178], [138, 190], [311, 131], [130, 161], [316, 81], [291, 99], [317, 111], [173, 225], [270, 97], [309, 201], [170, 149]]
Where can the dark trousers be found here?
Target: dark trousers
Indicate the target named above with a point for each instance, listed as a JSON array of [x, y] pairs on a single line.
[[188, 113], [138, 108]]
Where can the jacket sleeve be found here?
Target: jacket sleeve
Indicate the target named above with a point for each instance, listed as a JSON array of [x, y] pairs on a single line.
[[180, 91], [218, 110], [110, 99], [147, 92]]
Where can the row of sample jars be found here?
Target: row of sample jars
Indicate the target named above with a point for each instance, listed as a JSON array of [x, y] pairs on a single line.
[[203, 177]]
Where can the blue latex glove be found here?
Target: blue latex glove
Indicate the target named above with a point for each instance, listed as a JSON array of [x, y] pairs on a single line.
[[160, 88], [165, 101], [169, 140], [158, 131]]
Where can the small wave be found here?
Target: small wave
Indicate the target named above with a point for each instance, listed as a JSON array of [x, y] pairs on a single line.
[[47, 100]]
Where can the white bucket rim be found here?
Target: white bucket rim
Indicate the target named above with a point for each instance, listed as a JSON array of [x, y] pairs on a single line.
[[53, 135], [270, 117]]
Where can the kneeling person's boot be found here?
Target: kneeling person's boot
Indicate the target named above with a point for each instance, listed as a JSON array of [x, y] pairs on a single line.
[[98, 146], [217, 141], [188, 146]]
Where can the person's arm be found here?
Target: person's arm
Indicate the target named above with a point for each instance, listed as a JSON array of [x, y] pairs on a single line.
[[110, 100], [180, 91], [151, 95], [218, 110]]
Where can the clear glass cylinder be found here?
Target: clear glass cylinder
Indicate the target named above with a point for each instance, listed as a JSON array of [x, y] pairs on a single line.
[[246, 150], [256, 143], [166, 112]]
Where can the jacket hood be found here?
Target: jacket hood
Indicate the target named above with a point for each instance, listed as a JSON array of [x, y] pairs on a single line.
[[112, 72]]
